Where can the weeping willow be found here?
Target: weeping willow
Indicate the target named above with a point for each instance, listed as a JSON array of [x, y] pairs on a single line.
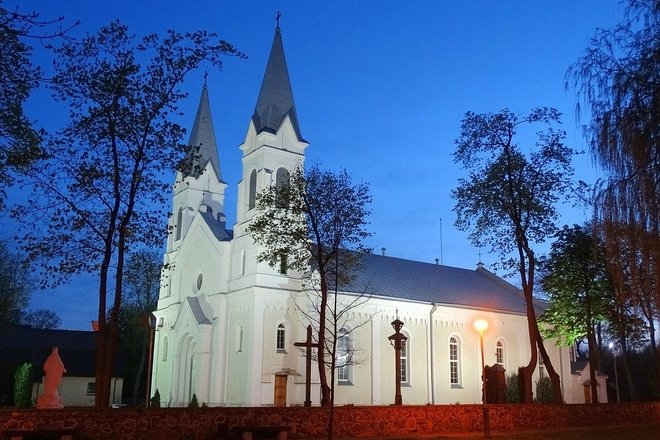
[[618, 81]]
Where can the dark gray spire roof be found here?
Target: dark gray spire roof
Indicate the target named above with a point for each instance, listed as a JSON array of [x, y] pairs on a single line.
[[275, 100], [202, 135]]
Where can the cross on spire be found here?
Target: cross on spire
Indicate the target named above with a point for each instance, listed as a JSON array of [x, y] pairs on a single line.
[[277, 19], [206, 74]]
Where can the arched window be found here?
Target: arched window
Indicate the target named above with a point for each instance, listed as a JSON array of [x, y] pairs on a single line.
[[454, 362], [405, 361], [280, 338], [282, 181], [252, 196], [499, 352], [179, 224], [282, 178], [344, 355]]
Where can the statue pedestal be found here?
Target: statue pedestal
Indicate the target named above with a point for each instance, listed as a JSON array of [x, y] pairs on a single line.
[[49, 400]]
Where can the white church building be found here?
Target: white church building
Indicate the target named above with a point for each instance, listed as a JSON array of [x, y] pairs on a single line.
[[226, 325]]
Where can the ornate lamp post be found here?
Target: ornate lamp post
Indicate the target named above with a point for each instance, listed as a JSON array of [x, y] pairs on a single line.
[[481, 325], [397, 340]]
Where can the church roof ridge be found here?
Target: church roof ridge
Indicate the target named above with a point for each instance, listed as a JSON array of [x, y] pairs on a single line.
[[275, 101], [202, 135]]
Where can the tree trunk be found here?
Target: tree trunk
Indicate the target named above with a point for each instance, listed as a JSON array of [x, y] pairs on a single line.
[[632, 394], [591, 340], [138, 374], [326, 398], [552, 373]]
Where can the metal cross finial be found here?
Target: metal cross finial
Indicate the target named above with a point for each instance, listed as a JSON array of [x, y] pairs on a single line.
[[206, 74], [277, 19]]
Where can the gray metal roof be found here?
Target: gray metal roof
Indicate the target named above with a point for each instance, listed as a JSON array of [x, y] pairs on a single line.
[[275, 100], [432, 283], [202, 135]]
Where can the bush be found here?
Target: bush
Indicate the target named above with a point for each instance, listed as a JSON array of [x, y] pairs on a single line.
[[23, 386], [544, 390], [512, 394], [155, 400], [193, 402]]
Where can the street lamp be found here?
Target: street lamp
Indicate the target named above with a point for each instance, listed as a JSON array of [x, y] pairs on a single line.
[[397, 340], [481, 325], [616, 375]]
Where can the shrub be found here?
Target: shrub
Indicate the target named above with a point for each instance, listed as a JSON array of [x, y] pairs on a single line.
[[512, 394], [155, 400], [193, 402], [23, 386], [544, 390]]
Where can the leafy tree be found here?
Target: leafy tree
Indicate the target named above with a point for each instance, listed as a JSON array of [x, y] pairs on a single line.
[[16, 285], [509, 201], [19, 142], [142, 281], [618, 80], [41, 319], [23, 386], [100, 186], [575, 278], [312, 223]]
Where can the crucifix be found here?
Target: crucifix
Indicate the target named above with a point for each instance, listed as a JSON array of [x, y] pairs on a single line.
[[308, 364]]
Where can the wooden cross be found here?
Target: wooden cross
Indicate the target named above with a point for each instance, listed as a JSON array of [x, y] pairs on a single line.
[[308, 363]]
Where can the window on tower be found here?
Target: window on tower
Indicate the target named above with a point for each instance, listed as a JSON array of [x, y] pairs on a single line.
[[252, 197], [179, 224], [282, 179]]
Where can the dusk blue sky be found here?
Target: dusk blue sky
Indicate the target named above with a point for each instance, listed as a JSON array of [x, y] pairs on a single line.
[[380, 89]]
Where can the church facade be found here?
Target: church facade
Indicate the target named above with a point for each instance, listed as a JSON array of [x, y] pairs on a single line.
[[226, 324]]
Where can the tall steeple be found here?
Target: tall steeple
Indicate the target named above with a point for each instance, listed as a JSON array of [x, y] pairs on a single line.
[[275, 100], [202, 135]]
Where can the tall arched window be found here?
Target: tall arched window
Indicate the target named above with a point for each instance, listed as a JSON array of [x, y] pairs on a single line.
[[499, 352], [179, 224], [405, 361], [454, 362], [344, 368], [282, 178], [252, 195], [280, 338]]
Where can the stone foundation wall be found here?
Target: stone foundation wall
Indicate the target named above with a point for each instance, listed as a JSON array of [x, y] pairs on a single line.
[[309, 423]]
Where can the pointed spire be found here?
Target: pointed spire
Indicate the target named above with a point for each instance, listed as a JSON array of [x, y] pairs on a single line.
[[275, 100], [202, 135]]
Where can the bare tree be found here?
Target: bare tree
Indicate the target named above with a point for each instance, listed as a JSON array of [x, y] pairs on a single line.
[[310, 224], [618, 80]]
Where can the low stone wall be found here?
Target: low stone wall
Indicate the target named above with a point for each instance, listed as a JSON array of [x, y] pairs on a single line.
[[309, 423]]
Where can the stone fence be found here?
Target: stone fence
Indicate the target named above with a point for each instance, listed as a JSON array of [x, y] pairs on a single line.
[[309, 423]]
